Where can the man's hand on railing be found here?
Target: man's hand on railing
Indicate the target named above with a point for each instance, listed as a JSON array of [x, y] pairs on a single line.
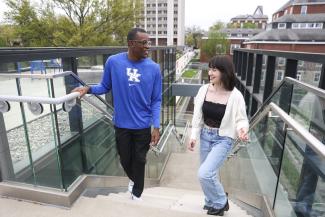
[[191, 144], [243, 134], [155, 135], [81, 90]]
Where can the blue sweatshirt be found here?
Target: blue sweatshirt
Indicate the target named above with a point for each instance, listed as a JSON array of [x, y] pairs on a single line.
[[136, 87]]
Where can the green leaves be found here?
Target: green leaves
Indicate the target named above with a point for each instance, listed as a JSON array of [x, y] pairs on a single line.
[[71, 22]]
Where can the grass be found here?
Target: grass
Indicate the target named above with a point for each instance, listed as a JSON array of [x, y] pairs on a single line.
[[189, 73]]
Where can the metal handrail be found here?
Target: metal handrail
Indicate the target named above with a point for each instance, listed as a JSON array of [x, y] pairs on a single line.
[[316, 145], [36, 99], [317, 91], [36, 75]]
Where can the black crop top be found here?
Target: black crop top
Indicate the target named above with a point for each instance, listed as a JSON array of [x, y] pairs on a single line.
[[213, 113]]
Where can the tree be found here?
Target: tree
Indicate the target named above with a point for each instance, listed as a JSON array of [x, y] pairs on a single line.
[[217, 42], [193, 36], [249, 26], [84, 22]]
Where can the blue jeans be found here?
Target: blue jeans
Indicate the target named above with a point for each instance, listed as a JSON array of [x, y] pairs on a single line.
[[213, 152]]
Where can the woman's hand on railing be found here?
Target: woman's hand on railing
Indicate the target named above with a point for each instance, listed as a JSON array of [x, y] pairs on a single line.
[[81, 90], [243, 134], [191, 144]]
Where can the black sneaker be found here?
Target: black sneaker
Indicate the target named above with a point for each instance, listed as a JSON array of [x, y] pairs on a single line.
[[226, 207], [213, 211]]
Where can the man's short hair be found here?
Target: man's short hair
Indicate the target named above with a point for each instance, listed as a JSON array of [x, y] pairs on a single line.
[[133, 33]]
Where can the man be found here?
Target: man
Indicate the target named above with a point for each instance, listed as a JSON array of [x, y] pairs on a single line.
[[135, 81]]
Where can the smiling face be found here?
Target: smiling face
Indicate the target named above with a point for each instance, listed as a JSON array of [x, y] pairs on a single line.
[[139, 47], [214, 76]]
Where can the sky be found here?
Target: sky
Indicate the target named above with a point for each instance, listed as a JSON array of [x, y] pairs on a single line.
[[204, 13]]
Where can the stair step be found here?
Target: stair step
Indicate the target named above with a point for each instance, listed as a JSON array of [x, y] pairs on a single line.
[[99, 207], [147, 200], [178, 200]]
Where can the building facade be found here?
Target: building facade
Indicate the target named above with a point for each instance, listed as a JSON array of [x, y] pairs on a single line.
[[244, 27], [164, 21], [299, 25]]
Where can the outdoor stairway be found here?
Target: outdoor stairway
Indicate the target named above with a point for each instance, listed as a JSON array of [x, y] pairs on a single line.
[[156, 202]]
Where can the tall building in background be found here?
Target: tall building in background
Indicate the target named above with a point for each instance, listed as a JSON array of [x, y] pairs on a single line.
[[164, 21]]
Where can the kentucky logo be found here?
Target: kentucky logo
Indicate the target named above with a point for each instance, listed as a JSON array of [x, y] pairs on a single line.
[[133, 75]]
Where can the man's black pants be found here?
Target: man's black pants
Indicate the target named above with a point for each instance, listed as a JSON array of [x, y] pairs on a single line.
[[132, 146]]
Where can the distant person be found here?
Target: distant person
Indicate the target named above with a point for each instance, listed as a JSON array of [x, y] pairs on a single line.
[[219, 117], [135, 81]]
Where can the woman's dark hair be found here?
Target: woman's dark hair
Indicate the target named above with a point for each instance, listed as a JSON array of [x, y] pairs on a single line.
[[133, 33], [226, 67]]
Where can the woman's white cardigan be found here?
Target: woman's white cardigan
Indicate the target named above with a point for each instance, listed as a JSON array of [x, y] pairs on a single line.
[[234, 119]]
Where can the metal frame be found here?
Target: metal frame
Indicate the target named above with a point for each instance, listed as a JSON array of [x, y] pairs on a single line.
[[36, 99], [310, 139]]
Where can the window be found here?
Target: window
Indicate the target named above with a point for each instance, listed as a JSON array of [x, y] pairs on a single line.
[[233, 46], [282, 25], [303, 9], [153, 5], [279, 76], [316, 77], [281, 61], [318, 25], [299, 73], [175, 32], [295, 26]]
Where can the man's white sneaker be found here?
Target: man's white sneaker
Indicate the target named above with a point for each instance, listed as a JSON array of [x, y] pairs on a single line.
[[130, 187], [135, 198]]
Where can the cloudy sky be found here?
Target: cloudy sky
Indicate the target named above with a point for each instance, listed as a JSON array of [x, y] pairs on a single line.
[[204, 13]]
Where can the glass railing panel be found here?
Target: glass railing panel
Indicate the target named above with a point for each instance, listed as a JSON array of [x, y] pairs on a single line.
[[308, 109], [32, 145], [301, 185], [90, 68], [156, 162], [255, 168], [43, 143], [309, 72]]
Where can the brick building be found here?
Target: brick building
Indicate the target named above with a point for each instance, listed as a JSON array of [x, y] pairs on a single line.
[[296, 26]]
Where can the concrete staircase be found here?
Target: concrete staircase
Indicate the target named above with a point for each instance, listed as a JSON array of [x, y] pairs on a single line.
[[179, 195], [156, 202]]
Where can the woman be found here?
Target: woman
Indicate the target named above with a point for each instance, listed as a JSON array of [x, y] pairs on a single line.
[[219, 117]]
